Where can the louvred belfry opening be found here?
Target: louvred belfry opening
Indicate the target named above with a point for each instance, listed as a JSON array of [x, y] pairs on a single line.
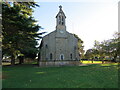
[[60, 20]]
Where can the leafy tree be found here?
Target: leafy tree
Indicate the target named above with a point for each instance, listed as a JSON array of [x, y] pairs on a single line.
[[80, 46], [88, 54], [109, 48]]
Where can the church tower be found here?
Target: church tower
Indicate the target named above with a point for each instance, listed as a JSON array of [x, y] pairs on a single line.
[[60, 20], [59, 47]]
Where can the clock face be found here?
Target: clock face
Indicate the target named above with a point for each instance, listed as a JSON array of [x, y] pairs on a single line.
[[61, 31]]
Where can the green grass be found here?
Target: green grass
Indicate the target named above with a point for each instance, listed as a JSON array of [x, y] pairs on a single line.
[[90, 62], [91, 76]]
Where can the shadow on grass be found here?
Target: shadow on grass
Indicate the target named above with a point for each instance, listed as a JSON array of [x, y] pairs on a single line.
[[21, 65]]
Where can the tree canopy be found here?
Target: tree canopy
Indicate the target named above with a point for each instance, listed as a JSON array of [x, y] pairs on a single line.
[[19, 30], [80, 46], [109, 48]]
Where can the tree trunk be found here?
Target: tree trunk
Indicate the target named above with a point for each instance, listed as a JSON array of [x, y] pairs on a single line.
[[115, 57], [38, 58], [12, 60], [92, 60], [102, 61], [21, 59]]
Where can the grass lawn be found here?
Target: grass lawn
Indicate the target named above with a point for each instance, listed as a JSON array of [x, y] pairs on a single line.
[[31, 76], [90, 62]]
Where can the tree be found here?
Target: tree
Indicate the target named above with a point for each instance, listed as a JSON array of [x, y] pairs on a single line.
[[0, 36], [88, 54], [19, 30], [109, 48], [80, 46]]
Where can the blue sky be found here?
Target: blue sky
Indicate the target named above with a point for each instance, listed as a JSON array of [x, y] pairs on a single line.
[[90, 20]]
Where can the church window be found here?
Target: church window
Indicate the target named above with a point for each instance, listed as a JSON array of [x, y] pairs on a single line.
[[75, 47], [46, 46], [59, 20], [50, 56], [71, 56], [46, 58], [62, 23], [62, 20], [76, 58]]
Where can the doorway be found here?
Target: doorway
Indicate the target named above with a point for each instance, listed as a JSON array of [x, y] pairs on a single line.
[[61, 57]]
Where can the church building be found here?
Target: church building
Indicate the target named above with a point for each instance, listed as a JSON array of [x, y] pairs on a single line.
[[59, 45]]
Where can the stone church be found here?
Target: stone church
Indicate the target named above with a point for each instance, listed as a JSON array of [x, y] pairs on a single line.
[[59, 46]]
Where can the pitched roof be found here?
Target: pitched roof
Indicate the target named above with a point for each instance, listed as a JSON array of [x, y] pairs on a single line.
[[60, 11]]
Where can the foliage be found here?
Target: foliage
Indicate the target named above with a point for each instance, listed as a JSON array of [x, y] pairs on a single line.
[[80, 46], [19, 30], [107, 48]]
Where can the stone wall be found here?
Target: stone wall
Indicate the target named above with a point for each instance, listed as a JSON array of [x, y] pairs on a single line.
[[58, 46], [58, 63]]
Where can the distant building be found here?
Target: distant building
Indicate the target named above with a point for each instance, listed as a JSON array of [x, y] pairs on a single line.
[[59, 45]]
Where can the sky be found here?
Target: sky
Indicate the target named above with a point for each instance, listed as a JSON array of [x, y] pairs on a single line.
[[90, 19]]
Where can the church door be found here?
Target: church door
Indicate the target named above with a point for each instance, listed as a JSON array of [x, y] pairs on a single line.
[[61, 57]]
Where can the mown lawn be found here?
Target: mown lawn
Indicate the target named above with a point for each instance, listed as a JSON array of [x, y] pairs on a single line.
[[31, 76], [90, 62]]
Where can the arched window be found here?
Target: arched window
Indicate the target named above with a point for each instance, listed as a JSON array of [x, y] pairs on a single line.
[[74, 47], [71, 56], [61, 57], [46, 46], [59, 20], [50, 56]]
